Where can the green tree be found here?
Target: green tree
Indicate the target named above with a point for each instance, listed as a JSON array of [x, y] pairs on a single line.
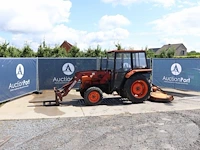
[[74, 52], [118, 46], [9, 51], [44, 50], [3, 49], [150, 53], [81, 54], [27, 51], [97, 51], [58, 52], [193, 53], [170, 53], [166, 53], [89, 52], [162, 54], [13, 52], [104, 53]]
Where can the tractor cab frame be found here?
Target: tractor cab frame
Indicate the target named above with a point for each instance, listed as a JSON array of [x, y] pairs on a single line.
[[123, 64]]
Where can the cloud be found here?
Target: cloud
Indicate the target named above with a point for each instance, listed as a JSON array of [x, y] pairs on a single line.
[[184, 22], [171, 40], [2, 40], [19, 17], [83, 39], [115, 34], [48, 20], [187, 3], [165, 3], [110, 22]]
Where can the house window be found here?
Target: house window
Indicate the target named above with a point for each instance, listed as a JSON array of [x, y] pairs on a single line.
[[183, 52]]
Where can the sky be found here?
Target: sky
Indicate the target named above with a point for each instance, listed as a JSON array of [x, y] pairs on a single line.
[[135, 24]]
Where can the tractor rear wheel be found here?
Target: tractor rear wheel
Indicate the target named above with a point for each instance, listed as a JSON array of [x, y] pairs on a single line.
[[137, 88], [93, 96]]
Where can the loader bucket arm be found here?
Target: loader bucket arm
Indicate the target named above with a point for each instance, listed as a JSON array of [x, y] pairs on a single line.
[[60, 93], [65, 89]]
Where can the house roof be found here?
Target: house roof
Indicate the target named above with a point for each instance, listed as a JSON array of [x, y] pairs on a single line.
[[154, 49], [170, 46], [66, 45]]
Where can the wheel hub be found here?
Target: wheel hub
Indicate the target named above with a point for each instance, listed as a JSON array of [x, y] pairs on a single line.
[[139, 89], [94, 96]]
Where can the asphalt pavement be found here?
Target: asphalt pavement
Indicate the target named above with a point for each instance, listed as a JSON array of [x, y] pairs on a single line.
[[177, 130]]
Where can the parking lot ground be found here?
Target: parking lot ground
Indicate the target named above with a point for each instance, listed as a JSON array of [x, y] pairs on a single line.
[[172, 130], [115, 124], [73, 106]]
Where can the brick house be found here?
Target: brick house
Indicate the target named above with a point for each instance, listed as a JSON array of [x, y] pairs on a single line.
[[66, 45]]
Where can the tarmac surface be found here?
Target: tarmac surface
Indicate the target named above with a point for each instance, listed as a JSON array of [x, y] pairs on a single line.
[[115, 124], [175, 130]]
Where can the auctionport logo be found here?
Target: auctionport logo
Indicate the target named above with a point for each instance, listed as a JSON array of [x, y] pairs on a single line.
[[19, 84], [67, 69], [20, 71], [176, 70]]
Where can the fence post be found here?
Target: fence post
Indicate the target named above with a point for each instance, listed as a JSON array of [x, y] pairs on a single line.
[[97, 63]]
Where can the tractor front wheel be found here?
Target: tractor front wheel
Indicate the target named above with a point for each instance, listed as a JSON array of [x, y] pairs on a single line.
[[137, 88], [122, 93], [93, 96], [82, 93]]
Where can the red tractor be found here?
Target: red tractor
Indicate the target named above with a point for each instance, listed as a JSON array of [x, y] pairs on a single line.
[[126, 73]]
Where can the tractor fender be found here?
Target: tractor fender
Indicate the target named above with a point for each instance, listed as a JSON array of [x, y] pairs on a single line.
[[130, 73]]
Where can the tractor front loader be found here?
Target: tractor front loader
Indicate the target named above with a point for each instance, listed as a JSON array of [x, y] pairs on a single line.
[[126, 73]]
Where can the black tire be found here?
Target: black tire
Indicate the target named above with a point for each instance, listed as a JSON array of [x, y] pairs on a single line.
[[93, 96], [122, 93], [82, 93], [137, 88]]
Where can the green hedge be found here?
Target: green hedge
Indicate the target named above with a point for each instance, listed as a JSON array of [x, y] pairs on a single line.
[[190, 56]]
